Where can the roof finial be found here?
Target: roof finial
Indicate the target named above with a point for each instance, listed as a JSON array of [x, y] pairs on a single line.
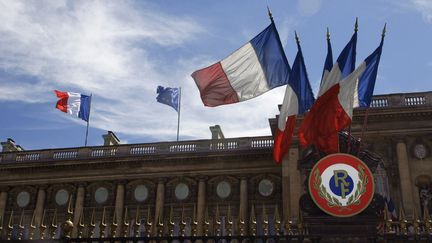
[[269, 13], [296, 37], [356, 25], [328, 34]]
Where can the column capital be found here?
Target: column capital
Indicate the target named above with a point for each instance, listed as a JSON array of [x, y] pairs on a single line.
[[81, 184], [43, 187], [202, 178], [162, 180], [121, 182], [400, 139], [243, 178]]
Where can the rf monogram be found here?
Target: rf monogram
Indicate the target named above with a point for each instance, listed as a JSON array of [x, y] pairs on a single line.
[[340, 181]]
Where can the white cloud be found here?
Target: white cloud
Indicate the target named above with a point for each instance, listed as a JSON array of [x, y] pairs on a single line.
[[106, 47], [425, 8], [286, 30], [308, 7], [21, 92]]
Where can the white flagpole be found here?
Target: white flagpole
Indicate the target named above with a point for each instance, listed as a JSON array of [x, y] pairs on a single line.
[[178, 114], [88, 121]]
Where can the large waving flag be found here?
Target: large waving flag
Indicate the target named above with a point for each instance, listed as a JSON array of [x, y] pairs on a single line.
[[74, 104], [257, 67], [297, 100], [334, 109], [168, 96], [321, 125]]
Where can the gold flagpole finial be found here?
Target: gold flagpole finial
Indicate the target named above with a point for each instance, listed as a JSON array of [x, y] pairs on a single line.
[[32, 222], [384, 31], [137, 218], [10, 223], [114, 218], [21, 225], [92, 218], [149, 220], [297, 38], [70, 207], [81, 218], [43, 219], [103, 220], [126, 218], [269, 13], [356, 25], [54, 223], [328, 34]]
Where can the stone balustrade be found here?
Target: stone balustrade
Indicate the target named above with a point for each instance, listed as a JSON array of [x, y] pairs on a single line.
[[162, 148], [402, 100]]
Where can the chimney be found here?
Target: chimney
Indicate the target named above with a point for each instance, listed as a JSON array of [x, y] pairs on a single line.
[[217, 132], [110, 139], [10, 146]]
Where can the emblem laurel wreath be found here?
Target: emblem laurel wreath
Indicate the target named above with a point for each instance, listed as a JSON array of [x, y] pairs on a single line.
[[353, 199]]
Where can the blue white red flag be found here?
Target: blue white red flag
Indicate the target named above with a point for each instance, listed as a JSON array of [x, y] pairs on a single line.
[[344, 66], [74, 104], [325, 119], [168, 96], [297, 100], [382, 188], [338, 95], [257, 67]]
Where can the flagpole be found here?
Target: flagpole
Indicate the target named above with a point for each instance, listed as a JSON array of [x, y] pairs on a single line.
[[88, 121], [348, 140], [270, 14], [365, 119], [178, 115]]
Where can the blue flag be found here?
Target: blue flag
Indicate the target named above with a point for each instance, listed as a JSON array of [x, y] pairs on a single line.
[[168, 96], [347, 57], [299, 82], [328, 64], [367, 80]]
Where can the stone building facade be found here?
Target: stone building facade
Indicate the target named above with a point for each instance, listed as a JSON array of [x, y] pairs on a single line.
[[203, 186]]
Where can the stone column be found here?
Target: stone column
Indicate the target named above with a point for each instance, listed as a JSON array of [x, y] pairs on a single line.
[[294, 182], [405, 178], [200, 206], [3, 201], [79, 204], [243, 212], [160, 197], [119, 206], [40, 204], [285, 189]]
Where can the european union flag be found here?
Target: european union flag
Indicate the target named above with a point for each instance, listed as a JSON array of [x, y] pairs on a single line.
[[168, 96]]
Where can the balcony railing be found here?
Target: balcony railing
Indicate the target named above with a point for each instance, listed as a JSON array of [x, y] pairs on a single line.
[[402, 100], [163, 148]]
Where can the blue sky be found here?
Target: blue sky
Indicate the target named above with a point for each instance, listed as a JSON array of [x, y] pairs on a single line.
[[120, 51]]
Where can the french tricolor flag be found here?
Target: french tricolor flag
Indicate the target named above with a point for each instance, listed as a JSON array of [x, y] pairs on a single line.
[[257, 67], [341, 91], [297, 100], [74, 104]]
